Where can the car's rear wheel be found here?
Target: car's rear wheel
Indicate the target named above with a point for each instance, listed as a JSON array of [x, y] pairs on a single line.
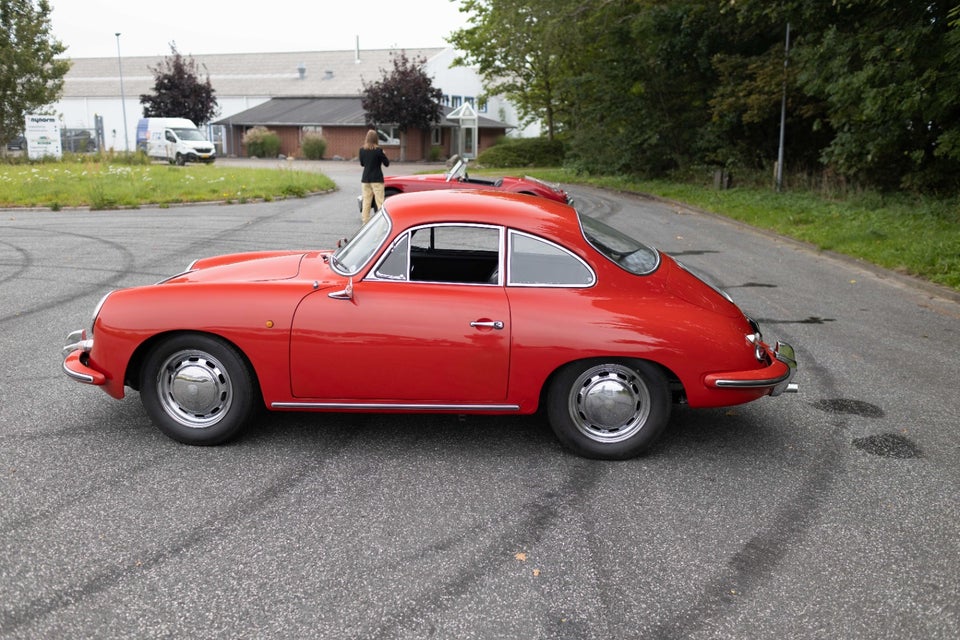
[[609, 409], [181, 160], [197, 389]]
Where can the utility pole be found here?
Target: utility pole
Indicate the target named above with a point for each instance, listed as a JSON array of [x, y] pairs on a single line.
[[123, 99], [783, 112]]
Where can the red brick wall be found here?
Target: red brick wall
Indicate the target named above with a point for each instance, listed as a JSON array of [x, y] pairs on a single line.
[[345, 142]]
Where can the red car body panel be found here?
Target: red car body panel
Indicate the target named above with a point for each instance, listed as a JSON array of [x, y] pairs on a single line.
[[457, 178], [411, 343]]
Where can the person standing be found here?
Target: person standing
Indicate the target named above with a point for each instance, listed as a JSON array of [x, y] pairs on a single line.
[[373, 159]]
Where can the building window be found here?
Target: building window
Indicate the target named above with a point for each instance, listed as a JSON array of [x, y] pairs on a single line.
[[436, 136], [456, 101], [445, 100], [315, 129], [481, 105]]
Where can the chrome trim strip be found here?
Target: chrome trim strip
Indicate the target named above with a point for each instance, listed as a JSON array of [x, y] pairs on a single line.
[[81, 377], [395, 406], [751, 384]]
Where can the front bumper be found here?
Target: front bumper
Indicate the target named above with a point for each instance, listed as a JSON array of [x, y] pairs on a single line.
[[777, 376], [75, 356]]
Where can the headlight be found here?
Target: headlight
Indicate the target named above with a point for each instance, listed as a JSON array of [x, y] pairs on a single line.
[[96, 310]]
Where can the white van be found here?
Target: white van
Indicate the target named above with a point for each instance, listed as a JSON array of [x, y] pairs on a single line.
[[176, 140]]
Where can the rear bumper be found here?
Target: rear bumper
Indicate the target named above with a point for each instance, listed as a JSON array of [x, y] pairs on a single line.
[[777, 376]]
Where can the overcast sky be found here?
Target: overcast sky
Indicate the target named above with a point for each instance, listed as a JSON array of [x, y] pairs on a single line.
[[88, 27]]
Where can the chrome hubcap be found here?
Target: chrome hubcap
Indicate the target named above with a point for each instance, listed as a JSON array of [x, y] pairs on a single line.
[[609, 403], [194, 389]]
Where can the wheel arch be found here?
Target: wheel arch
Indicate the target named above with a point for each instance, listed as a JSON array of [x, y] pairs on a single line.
[[131, 376], [676, 385]]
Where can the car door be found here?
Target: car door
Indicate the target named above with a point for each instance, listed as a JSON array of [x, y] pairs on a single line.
[[442, 339]]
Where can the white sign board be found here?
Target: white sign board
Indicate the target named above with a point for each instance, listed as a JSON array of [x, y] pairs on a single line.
[[43, 136]]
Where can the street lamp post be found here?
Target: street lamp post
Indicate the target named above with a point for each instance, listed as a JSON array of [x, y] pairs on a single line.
[[123, 99]]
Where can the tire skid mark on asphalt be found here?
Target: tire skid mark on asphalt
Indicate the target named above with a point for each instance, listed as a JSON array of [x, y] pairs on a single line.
[[523, 527], [70, 500], [80, 291], [758, 558], [115, 276], [17, 617], [244, 226], [23, 264]]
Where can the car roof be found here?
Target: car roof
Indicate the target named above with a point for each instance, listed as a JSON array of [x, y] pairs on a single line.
[[533, 214]]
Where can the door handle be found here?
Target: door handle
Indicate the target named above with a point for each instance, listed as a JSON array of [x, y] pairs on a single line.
[[493, 324]]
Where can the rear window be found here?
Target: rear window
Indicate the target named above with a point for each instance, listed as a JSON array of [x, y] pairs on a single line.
[[630, 254]]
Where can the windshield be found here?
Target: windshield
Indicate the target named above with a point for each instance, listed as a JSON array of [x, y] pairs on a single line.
[[633, 256], [189, 134], [351, 257], [458, 170]]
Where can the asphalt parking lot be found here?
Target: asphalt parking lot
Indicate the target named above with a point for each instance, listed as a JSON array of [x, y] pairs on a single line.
[[831, 513]]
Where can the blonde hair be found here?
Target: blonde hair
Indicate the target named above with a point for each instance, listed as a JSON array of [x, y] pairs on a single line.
[[370, 142]]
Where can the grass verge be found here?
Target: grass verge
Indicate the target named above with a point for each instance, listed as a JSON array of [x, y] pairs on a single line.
[[108, 186]]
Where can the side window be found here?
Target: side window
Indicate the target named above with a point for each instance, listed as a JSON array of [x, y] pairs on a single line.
[[394, 265], [468, 254], [536, 262]]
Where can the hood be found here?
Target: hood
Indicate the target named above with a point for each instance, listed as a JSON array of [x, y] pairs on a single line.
[[244, 267]]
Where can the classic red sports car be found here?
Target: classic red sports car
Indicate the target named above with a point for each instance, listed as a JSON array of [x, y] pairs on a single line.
[[457, 302], [457, 178]]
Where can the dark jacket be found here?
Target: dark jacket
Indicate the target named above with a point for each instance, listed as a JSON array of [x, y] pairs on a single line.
[[372, 161]]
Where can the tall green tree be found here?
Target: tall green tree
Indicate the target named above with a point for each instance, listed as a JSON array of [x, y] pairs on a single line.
[[888, 73], [520, 48], [405, 97], [179, 92], [31, 74], [644, 86]]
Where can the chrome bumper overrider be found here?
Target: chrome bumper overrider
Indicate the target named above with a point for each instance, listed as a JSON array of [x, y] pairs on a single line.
[[78, 345], [785, 354]]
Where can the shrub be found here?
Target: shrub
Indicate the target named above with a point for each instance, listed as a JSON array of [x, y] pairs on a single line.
[[523, 152], [313, 147], [261, 143]]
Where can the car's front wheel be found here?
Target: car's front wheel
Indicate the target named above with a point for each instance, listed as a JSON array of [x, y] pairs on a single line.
[[197, 389], [609, 409]]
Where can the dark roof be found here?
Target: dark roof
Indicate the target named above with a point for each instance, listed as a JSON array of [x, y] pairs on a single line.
[[326, 112]]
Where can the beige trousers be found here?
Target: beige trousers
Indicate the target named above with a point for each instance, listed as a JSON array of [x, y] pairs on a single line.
[[370, 191]]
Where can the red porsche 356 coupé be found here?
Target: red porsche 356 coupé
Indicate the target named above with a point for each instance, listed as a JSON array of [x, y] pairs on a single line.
[[446, 301]]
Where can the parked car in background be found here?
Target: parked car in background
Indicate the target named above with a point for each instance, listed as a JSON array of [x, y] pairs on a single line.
[[17, 143], [176, 140], [461, 302]]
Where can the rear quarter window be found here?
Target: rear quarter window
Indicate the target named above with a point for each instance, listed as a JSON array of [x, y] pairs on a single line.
[[536, 262]]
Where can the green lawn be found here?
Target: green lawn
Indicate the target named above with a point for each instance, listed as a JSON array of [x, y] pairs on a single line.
[[109, 186]]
